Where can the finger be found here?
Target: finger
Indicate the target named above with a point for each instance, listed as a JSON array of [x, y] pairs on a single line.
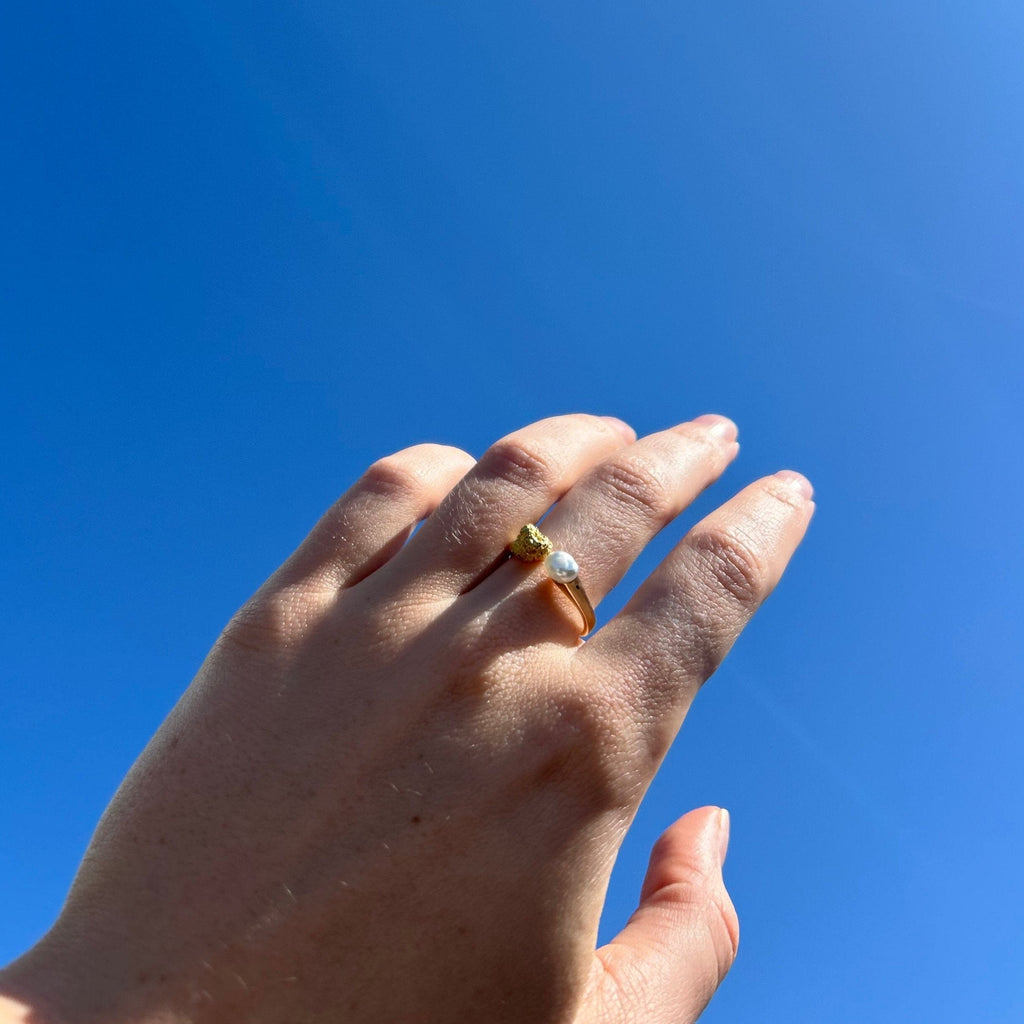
[[684, 619], [515, 482], [666, 964], [608, 518], [372, 520]]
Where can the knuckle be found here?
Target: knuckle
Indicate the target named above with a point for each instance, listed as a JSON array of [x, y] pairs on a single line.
[[270, 622], [386, 623], [704, 902], [599, 724], [521, 463], [732, 564], [579, 747], [393, 477], [637, 485], [727, 927], [722, 928], [438, 454], [584, 720]]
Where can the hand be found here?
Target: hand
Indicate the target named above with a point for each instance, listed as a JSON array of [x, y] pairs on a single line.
[[397, 786]]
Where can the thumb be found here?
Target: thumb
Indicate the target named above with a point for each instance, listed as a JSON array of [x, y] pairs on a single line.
[[665, 965]]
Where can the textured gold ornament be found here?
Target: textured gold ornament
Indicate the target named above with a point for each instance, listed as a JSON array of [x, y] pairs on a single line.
[[531, 545]]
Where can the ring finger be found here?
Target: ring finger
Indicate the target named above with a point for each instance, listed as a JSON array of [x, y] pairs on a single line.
[[516, 481]]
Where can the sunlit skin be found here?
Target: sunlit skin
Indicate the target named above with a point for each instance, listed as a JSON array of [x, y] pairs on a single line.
[[396, 788]]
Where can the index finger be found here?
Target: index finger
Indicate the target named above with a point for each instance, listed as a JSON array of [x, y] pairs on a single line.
[[683, 620]]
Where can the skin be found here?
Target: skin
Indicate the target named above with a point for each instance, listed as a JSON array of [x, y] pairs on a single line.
[[396, 788]]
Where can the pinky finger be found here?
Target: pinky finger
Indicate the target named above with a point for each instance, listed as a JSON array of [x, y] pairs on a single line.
[[368, 524]]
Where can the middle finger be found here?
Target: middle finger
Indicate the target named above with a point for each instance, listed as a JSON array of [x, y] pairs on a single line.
[[608, 518]]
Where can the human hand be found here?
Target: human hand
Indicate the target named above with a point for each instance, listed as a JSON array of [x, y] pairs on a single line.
[[396, 788]]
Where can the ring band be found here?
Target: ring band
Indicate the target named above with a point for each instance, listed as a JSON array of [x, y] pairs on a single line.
[[532, 546]]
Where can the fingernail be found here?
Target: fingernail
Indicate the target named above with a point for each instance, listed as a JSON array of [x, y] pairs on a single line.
[[798, 482], [623, 428], [719, 427], [724, 824]]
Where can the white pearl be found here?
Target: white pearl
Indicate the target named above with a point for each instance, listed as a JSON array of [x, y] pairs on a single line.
[[561, 567]]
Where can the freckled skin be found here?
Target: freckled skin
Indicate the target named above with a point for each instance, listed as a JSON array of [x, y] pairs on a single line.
[[396, 788]]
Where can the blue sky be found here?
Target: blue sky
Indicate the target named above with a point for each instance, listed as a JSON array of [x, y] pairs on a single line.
[[247, 251]]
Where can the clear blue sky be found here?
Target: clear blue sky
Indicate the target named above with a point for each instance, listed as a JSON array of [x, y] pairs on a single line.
[[248, 248]]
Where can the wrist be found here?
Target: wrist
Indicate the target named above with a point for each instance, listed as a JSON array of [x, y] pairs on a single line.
[[16, 1012], [26, 993], [53, 985]]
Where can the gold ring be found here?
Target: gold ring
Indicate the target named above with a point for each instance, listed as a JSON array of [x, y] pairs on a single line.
[[532, 546]]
